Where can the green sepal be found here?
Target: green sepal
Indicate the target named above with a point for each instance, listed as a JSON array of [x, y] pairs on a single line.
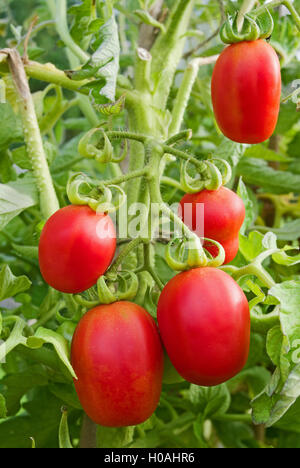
[[259, 27]]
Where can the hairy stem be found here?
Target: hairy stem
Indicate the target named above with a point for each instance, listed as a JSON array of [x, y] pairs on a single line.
[[185, 90], [32, 135]]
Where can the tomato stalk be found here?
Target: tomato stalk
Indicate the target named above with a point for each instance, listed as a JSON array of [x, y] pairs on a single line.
[[32, 135], [246, 7]]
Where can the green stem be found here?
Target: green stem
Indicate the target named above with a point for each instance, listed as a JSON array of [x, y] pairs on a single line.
[[233, 418], [50, 74], [253, 269], [167, 50], [58, 9], [187, 157], [246, 7], [185, 90], [124, 253], [32, 135], [127, 135], [171, 182], [125, 177], [184, 135], [148, 266]]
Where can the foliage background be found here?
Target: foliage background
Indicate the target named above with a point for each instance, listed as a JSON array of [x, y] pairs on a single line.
[[33, 383]]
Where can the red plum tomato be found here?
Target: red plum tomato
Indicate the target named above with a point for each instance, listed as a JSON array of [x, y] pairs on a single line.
[[204, 321], [224, 214], [246, 90], [117, 356], [76, 246]]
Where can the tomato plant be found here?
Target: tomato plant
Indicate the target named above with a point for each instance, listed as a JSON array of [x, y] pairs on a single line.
[[123, 322], [118, 360], [224, 214]]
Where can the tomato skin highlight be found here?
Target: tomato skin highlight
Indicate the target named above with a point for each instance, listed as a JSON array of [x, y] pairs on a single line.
[[117, 356], [224, 214], [76, 246], [246, 90], [204, 321]]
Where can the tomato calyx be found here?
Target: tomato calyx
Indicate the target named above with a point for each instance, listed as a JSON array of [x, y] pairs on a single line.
[[82, 190], [259, 27], [184, 254]]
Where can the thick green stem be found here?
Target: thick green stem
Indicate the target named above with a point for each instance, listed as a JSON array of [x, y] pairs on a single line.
[[167, 51], [253, 269], [32, 135]]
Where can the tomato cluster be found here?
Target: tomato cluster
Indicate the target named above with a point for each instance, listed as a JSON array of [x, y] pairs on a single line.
[[117, 352]]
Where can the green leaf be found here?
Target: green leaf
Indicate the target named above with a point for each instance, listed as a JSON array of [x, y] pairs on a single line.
[[114, 437], [288, 396], [11, 129], [146, 18], [274, 344], [11, 285], [252, 245], [262, 152], [288, 232], [288, 294], [59, 342], [249, 219], [230, 151], [18, 384], [210, 401], [64, 435], [27, 251], [103, 65], [257, 172], [16, 197], [283, 259]]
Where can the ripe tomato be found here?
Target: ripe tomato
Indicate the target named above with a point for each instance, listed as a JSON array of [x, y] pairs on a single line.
[[76, 246], [246, 88], [117, 356], [204, 321], [224, 214]]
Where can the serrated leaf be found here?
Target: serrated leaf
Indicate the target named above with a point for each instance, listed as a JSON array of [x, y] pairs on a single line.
[[16, 197], [259, 173], [11, 285]]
